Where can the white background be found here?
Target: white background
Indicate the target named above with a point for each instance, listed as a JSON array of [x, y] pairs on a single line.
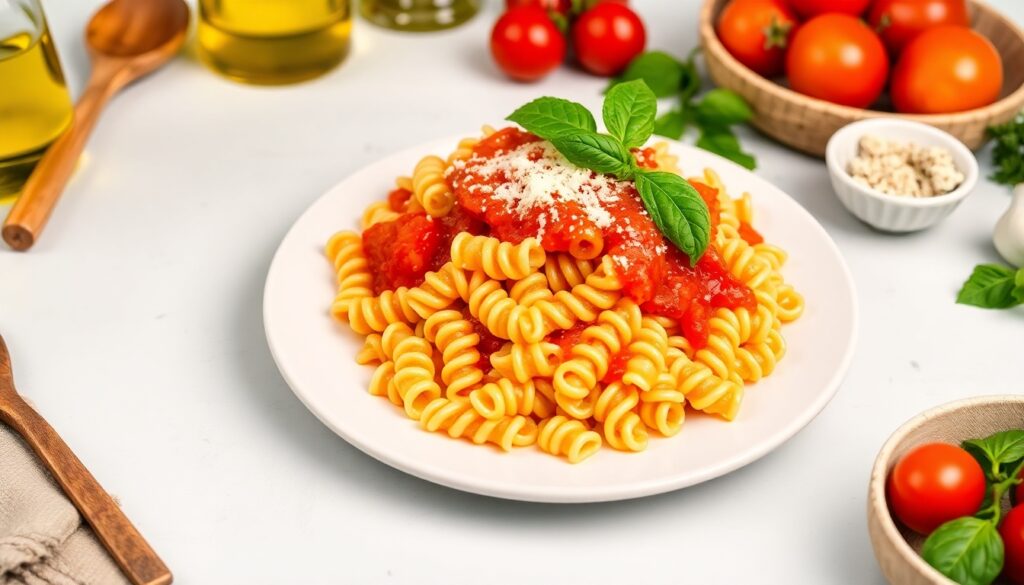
[[135, 326]]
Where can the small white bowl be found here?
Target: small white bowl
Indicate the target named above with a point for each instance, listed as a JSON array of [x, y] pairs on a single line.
[[889, 212]]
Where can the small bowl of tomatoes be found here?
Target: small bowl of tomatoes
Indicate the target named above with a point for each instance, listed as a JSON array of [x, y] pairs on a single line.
[[945, 502], [810, 67]]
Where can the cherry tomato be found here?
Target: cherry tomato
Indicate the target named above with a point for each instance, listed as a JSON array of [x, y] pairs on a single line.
[[563, 7], [935, 483], [946, 69], [526, 44], [837, 58], [899, 21], [757, 32], [1012, 531], [812, 8], [607, 37]]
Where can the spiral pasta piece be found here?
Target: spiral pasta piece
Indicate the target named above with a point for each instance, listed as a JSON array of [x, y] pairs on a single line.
[[744, 263], [523, 362], [440, 289], [790, 303], [575, 377], [662, 408], [564, 271], [502, 398], [527, 291], [414, 367], [372, 353], [622, 427], [704, 390], [497, 259], [647, 355], [457, 341], [429, 187], [489, 303], [464, 150], [374, 314], [719, 354], [459, 420], [600, 291], [560, 435], [345, 251]]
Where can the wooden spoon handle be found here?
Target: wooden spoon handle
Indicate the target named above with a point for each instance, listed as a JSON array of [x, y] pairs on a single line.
[[130, 550], [46, 183]]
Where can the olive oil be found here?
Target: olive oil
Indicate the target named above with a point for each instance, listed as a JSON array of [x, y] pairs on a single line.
[[273, 41], [418, 15], [35, 106]]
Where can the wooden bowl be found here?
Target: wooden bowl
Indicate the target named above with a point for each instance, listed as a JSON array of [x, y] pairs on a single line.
[[896, 547], [806, 123]]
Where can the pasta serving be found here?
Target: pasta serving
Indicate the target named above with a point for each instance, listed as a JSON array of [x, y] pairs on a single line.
[[509, 297]]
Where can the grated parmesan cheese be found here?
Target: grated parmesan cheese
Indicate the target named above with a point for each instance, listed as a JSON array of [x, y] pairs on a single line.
[[536, 175]]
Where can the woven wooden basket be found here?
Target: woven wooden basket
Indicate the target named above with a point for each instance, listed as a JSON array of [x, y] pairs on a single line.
[[806, 123], [897, 548]]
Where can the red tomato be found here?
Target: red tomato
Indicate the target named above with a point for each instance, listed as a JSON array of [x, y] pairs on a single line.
[[837, 58], [757, 32], [946, 69], [935, 483], [563, 7], [899, 21], [526, 44], [607, 37], [812, 8], [1012, 531]]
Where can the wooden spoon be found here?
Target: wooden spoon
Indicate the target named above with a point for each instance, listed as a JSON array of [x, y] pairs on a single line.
[[126, 40], [132, 553]]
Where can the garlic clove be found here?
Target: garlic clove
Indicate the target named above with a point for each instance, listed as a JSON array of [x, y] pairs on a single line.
[[1008, 236]]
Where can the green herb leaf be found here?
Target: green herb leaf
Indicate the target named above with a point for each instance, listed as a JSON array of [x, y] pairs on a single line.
[[1018, 287], [692, 82], [551, 118], [662, 72], [597, 152], [629, 110], [671, 124], [967, 550], [721, 107], [997, 450], [990, 286], [677, 209], [724, 143], [1008, 152]]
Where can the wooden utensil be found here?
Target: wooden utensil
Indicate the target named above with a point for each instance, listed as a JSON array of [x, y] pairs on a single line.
[[129, 549], [126, 39]]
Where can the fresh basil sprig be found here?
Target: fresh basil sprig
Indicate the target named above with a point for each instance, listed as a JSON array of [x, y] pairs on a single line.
[[1008, 152], [629, 112], [969, 550], [992, 286], [713, 115]]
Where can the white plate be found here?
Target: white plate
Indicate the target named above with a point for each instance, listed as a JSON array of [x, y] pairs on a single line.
[[315, 356]]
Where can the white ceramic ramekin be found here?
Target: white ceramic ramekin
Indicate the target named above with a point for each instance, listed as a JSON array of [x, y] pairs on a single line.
[[888, 212]]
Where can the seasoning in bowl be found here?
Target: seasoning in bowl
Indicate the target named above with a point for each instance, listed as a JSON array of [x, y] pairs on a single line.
[[904, 169]]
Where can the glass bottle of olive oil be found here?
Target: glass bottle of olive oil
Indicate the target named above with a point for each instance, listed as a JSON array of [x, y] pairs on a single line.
[[418, 15], [35, 106], [272, 42]]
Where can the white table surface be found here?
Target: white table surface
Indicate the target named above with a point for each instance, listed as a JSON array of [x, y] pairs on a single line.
[[135, 326]]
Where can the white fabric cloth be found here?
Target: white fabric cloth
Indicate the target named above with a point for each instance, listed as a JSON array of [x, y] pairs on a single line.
[[43, 540]]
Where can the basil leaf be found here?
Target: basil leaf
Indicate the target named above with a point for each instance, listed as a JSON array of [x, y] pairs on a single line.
[[677, 209], [550, 118], [659, 70], [1008, 152], [629, 110], [691, 82], [967, 550], [990, 286], [997, 450], [1018, 287], [596, 152], [724, 143], [671, 124], [721, 107]]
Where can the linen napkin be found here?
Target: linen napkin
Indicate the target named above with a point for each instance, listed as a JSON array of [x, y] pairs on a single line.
[[43, 540]]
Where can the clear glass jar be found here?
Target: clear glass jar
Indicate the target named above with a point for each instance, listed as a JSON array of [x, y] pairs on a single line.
[[272, 42], [35, 107], [418, 15]]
